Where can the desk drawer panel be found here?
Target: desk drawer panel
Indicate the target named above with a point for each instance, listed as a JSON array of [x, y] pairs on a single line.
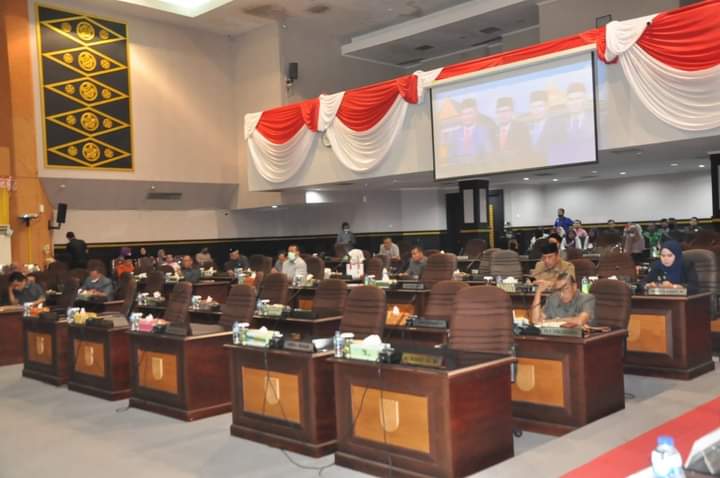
[[89, 357], [648, 333], [40, 348], [539, 381], [400, 419], [272, 394], [158, 371]]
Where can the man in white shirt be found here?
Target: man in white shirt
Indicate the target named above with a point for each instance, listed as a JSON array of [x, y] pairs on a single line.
[[294, 265], [389, 249]]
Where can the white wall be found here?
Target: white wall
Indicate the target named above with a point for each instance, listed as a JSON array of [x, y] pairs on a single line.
[[182, 91], [642, 199]]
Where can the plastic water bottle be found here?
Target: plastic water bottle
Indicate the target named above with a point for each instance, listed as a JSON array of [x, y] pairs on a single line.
[[236, 333], [258, 306], [338, 344], [666, 459], [585, 285]]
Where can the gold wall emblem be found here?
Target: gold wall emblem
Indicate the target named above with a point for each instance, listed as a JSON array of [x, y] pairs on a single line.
[[89, 121], [88, 91], [389, 414], [85, 31], [84, 76], [87, 61], [91, 152]]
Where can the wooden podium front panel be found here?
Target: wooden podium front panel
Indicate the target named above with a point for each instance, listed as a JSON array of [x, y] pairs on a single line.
[[270, 393], [539, 381], [305, 304], [398, 419], [158, 371], [40, 347], [89, 357], [648, 332]]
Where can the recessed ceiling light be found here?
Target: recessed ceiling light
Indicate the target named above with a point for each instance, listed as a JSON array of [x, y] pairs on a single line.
[[187, 8], [623, 173], [153, 188], [594, 172], [701, 165], [555, 180], [274, 206], [526, 179], [673, 164]]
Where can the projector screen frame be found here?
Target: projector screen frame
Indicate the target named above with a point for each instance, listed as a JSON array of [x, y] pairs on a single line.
[[593, 66]]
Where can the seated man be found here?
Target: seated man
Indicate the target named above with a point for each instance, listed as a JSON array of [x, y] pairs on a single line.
[[550, 266], [203, 257], [389, 249], [417, 263], [22, 291], [97, 285], [294, 265], [566, 303], [188, 272], [237, 261], [170, 261]]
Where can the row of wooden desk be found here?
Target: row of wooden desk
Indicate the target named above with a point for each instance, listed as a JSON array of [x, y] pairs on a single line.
[[415, 420]]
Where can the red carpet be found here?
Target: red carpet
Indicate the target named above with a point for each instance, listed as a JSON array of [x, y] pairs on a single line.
[[634, 455]]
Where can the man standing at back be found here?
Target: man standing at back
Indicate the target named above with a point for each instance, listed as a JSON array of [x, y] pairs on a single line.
[[77, 250], [563, 221]]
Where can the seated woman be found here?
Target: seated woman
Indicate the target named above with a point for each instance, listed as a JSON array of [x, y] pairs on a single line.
[[671, 270]]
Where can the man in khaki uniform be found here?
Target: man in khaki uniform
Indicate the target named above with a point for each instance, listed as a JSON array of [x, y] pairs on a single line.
[[550, 266]]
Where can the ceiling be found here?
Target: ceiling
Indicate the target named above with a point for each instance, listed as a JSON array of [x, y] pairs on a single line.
[[340, 18]]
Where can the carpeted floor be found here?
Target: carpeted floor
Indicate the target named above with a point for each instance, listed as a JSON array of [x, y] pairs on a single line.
[[49, 431]]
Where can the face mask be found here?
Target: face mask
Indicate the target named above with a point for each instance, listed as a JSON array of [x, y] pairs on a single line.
[[291, 256], [347, 229], [94, 280]]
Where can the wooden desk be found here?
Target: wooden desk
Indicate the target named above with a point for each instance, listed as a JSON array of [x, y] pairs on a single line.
[[100, 361], [199, 316], [563, 383], [314, 328], [405, 335], [47, 354], [11, 334], [715, 328], [669, 336], [410, 301], [416, 421], [296, 412], [181, 377]]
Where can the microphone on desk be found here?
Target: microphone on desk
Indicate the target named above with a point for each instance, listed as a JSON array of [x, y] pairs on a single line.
[[513, 366]]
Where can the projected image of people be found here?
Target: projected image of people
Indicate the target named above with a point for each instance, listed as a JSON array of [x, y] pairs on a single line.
[[530, 118]]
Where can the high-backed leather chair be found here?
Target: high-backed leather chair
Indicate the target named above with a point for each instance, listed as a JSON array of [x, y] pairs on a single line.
[[330, 298], [69, 294], [146, 265], [124, 307], [706, 266], [166, 269], [441, 302], [572, 253], [583, 268], [615, 264], [178, 304], [439, 267], [365, 311], [475, 247], [482, 321], [374, 267], [505, 263], [486, 261], [155, 282], [535, 251], [340, 251], [704, 239], [613, 302], [315, 266], [79, 274], [260, 263], [274, 288], [238, 307]]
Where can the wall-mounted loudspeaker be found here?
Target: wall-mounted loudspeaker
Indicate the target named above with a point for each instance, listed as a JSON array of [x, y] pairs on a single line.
[[61, 212]]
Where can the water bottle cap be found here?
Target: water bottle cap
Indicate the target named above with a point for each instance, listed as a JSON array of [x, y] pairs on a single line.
[[665, 440]]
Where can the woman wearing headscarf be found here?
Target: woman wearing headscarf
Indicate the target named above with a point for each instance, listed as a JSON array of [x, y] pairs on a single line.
[[672, 270]]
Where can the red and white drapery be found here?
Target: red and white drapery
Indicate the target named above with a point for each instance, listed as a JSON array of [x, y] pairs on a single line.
[[670, 60]]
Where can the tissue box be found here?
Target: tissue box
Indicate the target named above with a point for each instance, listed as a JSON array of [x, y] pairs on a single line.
[[360, 351]]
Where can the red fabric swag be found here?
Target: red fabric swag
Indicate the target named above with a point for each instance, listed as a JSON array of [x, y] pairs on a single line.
[[279, 125], [362, 108], [687, 38]]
